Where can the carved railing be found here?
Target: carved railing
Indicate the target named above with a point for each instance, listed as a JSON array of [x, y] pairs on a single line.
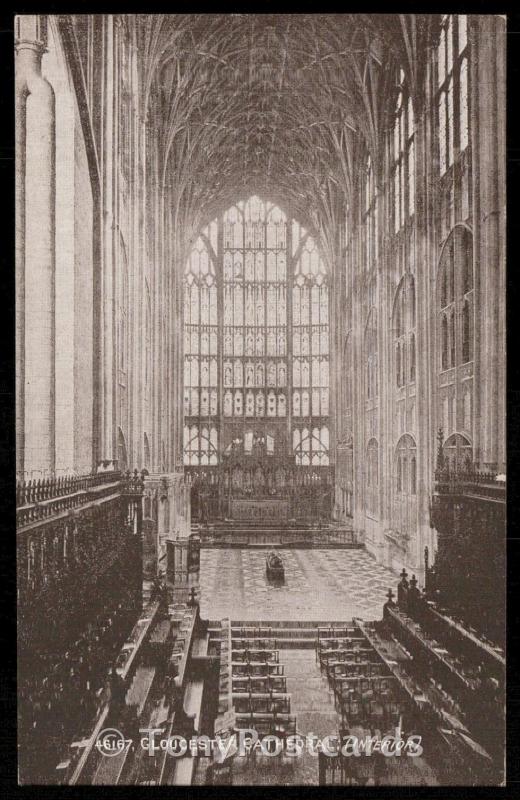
[[79, 560], [36, 491], [133, 482], [63, 536], [49, 497], [467, 574], [470, 481]]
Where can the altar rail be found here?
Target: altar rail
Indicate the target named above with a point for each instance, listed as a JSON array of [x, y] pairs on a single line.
[[278, 537]]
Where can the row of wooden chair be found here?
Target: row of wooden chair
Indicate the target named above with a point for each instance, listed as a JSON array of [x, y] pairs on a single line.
[[252, 642], [255, 669], [344, 667], [275, 683], [346, 631], [362, 669], [346, 654], [269, 723], [325, 642], [253, 632], [255, 655], [259, 686], [362, 684], [385, 715], [257, 704]]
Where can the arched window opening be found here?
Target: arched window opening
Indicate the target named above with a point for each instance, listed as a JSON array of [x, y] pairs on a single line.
[[452, 90], [404, 333], [311, 447], [310, 332], [403, 156], [201, 349], [456, 299], [457, 453], [200, 446], [406, 466], [272, 320]]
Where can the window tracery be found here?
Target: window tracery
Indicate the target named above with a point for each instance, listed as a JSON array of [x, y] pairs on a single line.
[[273, 331]]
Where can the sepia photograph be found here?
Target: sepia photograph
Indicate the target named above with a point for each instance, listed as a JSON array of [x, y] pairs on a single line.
[[260, 276]]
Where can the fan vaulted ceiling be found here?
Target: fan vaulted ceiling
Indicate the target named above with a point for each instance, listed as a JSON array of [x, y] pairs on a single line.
[[275, 104]]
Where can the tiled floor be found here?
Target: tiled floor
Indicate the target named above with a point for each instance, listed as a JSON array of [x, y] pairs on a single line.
[[320, 585]]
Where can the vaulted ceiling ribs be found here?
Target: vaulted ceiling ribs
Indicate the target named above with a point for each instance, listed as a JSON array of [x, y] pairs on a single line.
[[274, 104]]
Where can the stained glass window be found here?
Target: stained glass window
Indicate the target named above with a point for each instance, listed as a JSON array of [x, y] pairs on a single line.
[[453, 89], [310, 370], [406, 466], [404, 332], [255, 308], [262, 360], [200, 355], [403, 156], [456, 299]]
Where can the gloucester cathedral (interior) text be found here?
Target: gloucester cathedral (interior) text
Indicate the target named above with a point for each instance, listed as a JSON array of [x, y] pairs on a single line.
[[260, 398]]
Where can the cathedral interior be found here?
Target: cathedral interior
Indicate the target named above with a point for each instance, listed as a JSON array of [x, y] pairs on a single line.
[[260, 394]]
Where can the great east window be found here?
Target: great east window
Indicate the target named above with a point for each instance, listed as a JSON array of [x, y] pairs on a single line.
[[256, 339]]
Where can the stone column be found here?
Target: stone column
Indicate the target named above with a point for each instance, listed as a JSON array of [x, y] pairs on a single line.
[[358, 369], [155, 288], [36, 198], [23, 64], [177, 361], [108, 404], [168, 534], [488, 145], [385, 434], [425, 264]]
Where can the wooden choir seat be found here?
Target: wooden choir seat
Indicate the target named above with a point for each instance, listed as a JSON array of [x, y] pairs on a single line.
[[271, 656], [258, 669], [252, 643], [271, 683], [139, 690], [268, 723]]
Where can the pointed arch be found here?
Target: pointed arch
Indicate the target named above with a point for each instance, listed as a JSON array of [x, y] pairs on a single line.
[[455, 298], [403, 326], [243, 274], [406, 465]]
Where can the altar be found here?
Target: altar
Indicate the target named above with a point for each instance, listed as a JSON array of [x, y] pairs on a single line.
[[257, 485], [270, 509]]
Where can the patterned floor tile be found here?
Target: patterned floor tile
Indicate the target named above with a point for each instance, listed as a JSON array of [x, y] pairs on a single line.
[[319, 585]]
